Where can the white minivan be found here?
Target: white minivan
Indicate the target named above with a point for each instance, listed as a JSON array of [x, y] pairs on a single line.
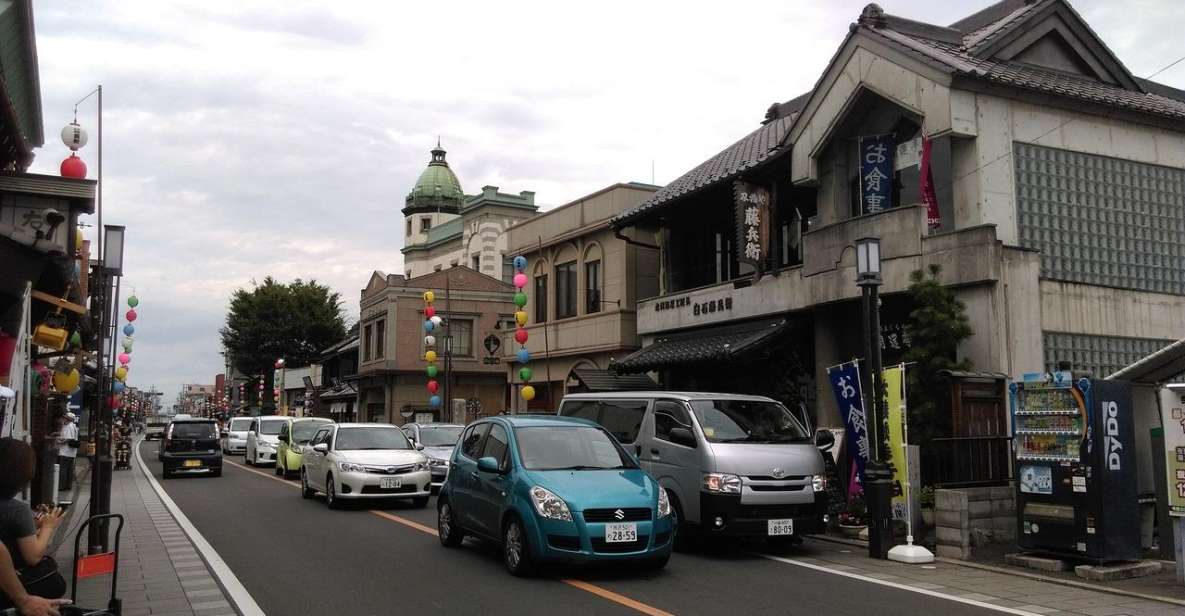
[[262, 439], [732, 464]]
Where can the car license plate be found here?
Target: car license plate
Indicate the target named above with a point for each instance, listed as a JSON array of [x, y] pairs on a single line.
[[621, 533], [192, 463], [388, 483], [780, 527]]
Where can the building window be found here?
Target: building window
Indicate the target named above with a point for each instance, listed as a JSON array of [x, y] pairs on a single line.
[[366, 343], [1101, 355], [565, 290], [461, 334], [425, 224], [476, 261], [540, 298], [409, 227], [380, 333], [592, 286], [507, 269]]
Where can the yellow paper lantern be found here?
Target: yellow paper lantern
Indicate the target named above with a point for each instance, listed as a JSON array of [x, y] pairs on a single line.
[[78, 239], [429, 296], [520, 317], [121, 373], [66, 382], [430, 356], [528, 392]]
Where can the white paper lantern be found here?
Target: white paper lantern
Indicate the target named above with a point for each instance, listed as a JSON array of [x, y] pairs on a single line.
[[74, 136], [436, 320], [429, 340]]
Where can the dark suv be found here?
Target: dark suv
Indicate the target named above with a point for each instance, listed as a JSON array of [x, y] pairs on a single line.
[[191, 446]]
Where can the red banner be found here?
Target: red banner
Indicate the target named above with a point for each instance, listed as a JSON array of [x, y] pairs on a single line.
[[929, 198]]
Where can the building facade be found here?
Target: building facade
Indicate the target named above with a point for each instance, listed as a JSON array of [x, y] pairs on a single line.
[[584, 285], [1059, 179]]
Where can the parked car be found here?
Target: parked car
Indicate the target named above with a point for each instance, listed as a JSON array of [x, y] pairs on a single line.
[[294, 435], [355, 461], [155, 430], [234, 437], [438, 441], [263, 436], [733, 464], [553, 489], [191, 446]]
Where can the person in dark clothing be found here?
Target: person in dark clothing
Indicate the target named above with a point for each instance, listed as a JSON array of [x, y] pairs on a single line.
[[24, 535]]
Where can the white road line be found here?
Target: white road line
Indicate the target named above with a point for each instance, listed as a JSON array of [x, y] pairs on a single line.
[[244, 604], [921, 591]]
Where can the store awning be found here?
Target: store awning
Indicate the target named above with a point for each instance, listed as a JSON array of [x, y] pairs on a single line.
[[1162, 366], [593, 380], [701, 345]]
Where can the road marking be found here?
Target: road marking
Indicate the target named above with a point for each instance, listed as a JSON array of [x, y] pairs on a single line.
[[603, 593], [244, 603], [923, 591]]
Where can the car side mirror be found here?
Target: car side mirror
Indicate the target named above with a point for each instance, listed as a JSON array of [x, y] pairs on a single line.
[[419, 446], [321, 447], [488, 464], [824, 440], [682, 436]]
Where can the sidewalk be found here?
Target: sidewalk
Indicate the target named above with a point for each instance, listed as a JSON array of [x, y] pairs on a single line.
[[160, 572], [1006, 590]]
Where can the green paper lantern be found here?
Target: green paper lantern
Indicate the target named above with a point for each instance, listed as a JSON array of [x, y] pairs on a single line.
[[524, 374], [432, 372], [75, 339], [133, 301], [520, 299]]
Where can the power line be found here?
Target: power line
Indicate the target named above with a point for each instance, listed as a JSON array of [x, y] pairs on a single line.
[[1171, 65]]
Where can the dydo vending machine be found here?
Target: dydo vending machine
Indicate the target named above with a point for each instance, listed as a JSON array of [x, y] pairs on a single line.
[[1075, 467]]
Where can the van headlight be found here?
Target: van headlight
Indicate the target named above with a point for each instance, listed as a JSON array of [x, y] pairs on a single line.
[[819, 483], [722, 482], [664, 503], [548, 505]]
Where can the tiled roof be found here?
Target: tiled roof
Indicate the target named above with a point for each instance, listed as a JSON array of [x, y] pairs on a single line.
[[605, 380], [720, 344]]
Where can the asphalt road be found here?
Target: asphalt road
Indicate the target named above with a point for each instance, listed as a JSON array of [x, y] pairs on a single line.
[[295, 556]]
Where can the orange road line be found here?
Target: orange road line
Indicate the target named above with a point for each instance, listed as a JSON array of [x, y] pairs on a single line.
[[603, 593]]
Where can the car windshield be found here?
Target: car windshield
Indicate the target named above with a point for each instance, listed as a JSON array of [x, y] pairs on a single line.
[[302, 431], [747, 421], [440, 436], [240, 425], [551, 448], [270, 427], [371, 438], [197, 429]]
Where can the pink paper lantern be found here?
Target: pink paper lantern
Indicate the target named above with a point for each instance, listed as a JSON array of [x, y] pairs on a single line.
[[520, 280], [130, 316], [520, 335], [124, 358]]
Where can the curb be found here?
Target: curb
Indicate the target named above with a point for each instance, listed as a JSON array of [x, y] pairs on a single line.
[[1024, 574], [234, 590]]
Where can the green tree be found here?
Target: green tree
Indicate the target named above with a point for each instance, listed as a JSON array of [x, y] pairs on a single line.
[[295, 321], [937, 324]]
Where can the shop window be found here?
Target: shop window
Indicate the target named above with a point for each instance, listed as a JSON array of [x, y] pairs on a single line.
[[380, 335], [540, 298], [565, 290], [592, 284]]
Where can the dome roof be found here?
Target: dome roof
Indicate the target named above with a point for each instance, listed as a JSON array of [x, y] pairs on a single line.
[[437, 189]]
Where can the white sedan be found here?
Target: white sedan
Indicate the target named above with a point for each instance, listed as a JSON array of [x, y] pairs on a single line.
[[364, 461]]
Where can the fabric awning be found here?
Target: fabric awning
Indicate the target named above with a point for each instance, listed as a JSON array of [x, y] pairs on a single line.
[[701, 345], [593, 380]]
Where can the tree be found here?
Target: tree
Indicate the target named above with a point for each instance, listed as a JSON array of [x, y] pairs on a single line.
[[295, 321], [937, 325]]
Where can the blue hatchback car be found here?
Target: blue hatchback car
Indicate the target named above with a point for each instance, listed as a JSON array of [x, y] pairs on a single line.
[[553, 489]]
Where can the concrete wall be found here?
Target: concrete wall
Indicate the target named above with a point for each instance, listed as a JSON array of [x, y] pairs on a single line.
[[971, 517], [1104, 311]]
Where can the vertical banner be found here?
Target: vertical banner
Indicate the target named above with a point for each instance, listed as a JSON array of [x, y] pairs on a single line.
[[845, 382], [929, 197], [753, 222], [895, 407], [876, 173]]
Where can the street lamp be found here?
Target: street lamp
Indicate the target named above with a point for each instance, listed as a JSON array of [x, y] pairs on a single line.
[[878, 478], [113, 249]]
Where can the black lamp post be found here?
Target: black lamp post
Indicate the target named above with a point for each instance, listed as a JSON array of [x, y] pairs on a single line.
[[878, 477]]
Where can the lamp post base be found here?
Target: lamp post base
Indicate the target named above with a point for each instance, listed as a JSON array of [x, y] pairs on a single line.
[[878, 490]]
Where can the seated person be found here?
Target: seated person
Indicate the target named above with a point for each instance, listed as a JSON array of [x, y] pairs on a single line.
[[13, 593], [24, 536]]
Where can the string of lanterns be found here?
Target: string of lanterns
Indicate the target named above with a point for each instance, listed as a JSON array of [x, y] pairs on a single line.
[[520, 333], [125, 357], [277, 382], [431, 322]]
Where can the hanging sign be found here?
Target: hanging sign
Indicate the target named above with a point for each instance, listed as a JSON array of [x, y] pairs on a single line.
[[876, 173], [1173, 420], [752, 219], [845, 382]]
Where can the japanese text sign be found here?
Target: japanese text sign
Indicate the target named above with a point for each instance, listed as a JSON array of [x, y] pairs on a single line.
[[753, 224], [1173, 420], [876, 173], [845, 382]]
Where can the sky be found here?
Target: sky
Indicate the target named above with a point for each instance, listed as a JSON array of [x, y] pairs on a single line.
[[247, 138]]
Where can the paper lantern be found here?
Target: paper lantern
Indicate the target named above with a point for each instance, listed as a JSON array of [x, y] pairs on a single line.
[[113, 402], [434, 401], [429, 326], [520, 263], [520, 335], [436, 320], [124, 358], [433, 386], [429, 312], [75, 339], [528, 393], [127, 344], [121, 373], [524, 356], [128, 329], [430, 356], [520, 299], [130, 315], [73, 167], [520, 280], [117, 387], [279, 364], [429, 296], [66, 382], [432, 371], [74, 136], [520, 317], [429, 341], [133, 301], [524, 374]]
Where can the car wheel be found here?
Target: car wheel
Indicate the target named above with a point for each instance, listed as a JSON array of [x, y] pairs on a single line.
[[331, 494], [305, 490], [419, 502], [516, 550], [450, 534], [684, 533]]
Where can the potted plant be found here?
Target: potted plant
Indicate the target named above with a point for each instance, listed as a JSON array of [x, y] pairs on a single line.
[[854, 517], [927, 501]]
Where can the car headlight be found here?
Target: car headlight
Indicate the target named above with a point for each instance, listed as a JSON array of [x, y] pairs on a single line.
[[664, 502], [348, 467], [819, 482], [549, 505], [419, 466], [722, 482]]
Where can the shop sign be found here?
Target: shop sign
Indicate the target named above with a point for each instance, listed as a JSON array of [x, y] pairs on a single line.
[[876, 173], [1174, 447], [753, 224], [698, 308], [845, 382], [895, 337], [492, 343]]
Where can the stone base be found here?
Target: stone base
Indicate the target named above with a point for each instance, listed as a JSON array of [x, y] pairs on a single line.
[[1039, 563], [1122, 571]]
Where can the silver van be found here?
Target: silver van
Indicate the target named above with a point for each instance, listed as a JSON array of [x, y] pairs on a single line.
[[732, 464]]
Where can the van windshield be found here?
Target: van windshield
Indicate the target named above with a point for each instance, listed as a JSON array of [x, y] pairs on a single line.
[[270, 427], [747, 421], [240, 424]]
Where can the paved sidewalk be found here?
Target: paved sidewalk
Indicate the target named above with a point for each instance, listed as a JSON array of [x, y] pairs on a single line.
[[160, 572], [1000, 589]]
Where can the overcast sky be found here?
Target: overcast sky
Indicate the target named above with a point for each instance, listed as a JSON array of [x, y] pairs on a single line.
[[248, 138]]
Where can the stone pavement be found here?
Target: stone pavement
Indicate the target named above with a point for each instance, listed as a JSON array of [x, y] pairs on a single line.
[[996, 588], [160, 572]]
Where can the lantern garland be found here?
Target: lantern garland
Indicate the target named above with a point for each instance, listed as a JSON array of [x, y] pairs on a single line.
[[277, 383], [431, 322], [125, 358], [520, 333]]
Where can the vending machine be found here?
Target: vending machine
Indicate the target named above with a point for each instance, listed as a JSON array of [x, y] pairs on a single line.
[[1075, 467]]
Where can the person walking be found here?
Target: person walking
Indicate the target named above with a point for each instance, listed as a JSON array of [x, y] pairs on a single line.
[[67, 452]]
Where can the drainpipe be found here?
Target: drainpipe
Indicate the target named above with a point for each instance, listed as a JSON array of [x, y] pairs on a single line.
[[621, 236]]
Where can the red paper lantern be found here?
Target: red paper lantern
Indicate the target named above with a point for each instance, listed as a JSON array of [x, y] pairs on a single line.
[[429, 312], [520, 335], [432, 386], [73, 167], [130, 315]]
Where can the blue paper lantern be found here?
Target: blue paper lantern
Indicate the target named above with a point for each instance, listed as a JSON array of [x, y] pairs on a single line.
[[434, 401], [429, 325], [520, 263], [524, 356], [117, 387], [128, 329]]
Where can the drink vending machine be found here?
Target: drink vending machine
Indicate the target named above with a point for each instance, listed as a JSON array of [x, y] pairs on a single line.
[[1075, 467]]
